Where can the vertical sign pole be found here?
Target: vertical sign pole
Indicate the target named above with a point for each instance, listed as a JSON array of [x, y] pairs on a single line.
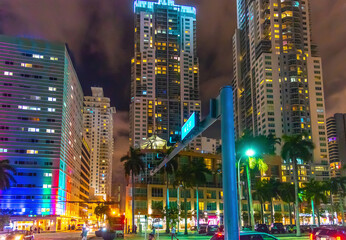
[[229, 175]]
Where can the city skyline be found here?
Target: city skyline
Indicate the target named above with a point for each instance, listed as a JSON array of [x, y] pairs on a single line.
[[106, 55], [130, 152]]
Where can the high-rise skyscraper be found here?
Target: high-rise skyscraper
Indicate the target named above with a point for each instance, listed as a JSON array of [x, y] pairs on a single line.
[[41, 130], [336, 129], [278, 76], [98, 127], [165, 72]]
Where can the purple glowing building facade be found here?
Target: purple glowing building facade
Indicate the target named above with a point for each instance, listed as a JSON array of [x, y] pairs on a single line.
[[41, 125]]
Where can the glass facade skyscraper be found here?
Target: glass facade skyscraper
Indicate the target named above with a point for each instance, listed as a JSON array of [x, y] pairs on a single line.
[[278, 76], [165, 71], [41, 130]]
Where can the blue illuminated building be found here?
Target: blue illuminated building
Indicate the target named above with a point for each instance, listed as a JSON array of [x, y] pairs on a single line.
[[41, 133]]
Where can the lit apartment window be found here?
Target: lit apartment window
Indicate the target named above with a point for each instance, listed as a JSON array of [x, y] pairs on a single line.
[[53, 89], [8, 73], [51, 109], [48, 174], [33, 129], [50, 131], [54, 58], [37, 56], [3, 150], [29, 108], [28, 65], [32, 151], [47, 186], [51, 99]]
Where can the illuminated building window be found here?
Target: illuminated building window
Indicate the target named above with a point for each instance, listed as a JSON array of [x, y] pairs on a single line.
[[8, 73], [33, 129], [54, 58], [48, 174], [37, 56], [28, 65], [50, 131], [51, 109], [3, 150], [29, 108], [53, 89], [31, 151], [47, 186], [51, 99]]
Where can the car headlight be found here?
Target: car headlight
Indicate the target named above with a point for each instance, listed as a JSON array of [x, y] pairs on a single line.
[[18, 238], [2, 237]]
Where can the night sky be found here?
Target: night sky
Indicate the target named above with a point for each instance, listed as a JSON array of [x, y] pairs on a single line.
[[99, 34]]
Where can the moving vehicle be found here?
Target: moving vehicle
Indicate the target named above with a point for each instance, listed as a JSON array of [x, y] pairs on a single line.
[[212, 229], [193, 228], [19, 235], [202, 228], [277, 228], [262, 228], [117, 225], [328, 233], [247, 236]]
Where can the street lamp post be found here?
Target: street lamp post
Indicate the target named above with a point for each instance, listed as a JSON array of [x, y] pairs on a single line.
[[239, 193], [249, 153]]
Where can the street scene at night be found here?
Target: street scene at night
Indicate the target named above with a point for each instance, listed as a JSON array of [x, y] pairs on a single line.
[[172, 119]]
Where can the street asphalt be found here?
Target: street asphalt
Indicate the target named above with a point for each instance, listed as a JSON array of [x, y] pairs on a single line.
[[91, 236]]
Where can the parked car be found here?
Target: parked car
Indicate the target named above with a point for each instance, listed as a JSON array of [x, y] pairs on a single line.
[[212, 229], [20, 235], [291, 228], [202, 228], [80, 226], [328, 233], [247, 236], [262, 228], [277, 228]]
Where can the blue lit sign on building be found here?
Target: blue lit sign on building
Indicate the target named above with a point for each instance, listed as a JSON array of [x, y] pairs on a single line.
[[188, 126]]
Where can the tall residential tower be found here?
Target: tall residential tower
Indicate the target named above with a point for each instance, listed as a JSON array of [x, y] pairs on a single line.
[[336, 129], [278, 76], [98, 127], [41, 127], [165, 74]]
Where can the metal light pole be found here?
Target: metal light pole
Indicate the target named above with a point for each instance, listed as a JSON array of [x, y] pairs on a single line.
[[239, 193], [229, 175]]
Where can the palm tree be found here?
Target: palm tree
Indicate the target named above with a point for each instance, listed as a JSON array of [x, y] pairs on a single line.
[[262, 145], [286, 193], [338, 187], [272, 192], [99, 211], [5, 174], [315, 192], [183, 178], [169, 169], [199, 177], [297, 147], [133, 166], [261, 195]]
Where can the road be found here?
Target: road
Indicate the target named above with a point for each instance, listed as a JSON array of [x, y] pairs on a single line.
[[91, 236]]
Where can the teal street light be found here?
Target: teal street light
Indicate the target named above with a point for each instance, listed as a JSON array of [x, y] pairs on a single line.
[[249, 153]]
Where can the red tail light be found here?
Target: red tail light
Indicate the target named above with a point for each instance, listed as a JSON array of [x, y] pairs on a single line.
[[338, 238], [220, 234], [312, 237]]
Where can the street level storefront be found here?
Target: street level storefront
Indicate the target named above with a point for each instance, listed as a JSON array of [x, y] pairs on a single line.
[[46, 223]]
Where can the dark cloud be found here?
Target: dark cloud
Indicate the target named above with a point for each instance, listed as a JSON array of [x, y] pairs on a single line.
[[100, 36]]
